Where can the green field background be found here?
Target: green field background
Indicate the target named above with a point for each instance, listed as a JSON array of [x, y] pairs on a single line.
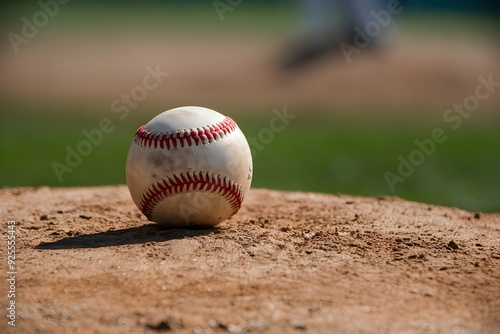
[[333, 151]]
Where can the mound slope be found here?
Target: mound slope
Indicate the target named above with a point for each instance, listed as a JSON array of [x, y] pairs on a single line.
[[88, 261]]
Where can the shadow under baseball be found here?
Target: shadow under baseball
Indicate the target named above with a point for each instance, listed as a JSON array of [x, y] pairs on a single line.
[[128, 236]]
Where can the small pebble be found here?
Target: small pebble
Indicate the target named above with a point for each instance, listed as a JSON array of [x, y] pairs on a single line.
[[453, 245]]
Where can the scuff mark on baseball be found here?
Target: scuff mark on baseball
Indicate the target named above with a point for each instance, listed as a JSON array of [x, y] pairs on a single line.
[[189, 166]]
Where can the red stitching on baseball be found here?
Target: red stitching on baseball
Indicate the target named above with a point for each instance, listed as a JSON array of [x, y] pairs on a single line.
[[189, 137], [192, 181]]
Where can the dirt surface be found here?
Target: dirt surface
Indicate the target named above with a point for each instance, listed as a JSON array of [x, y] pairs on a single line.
[[241, 70], [89, 262]]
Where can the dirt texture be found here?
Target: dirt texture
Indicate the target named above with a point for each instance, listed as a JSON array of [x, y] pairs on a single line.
[[89, 262], [215, 69]]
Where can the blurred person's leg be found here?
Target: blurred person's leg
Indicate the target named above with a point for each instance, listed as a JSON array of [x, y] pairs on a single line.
[[315, 36], [328, 23], [318, 15], [361, 13]]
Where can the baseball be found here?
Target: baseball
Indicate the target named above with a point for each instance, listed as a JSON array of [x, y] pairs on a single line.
[[189, 166]]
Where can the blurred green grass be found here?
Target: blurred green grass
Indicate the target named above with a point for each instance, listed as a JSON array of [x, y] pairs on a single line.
[[176, 16], [332, 151], [271, 18]]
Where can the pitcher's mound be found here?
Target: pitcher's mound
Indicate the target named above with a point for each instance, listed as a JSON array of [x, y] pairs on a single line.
[[87, 261]]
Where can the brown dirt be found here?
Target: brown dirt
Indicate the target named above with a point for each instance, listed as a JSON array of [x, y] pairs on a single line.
[[240, 70], [89, 262]]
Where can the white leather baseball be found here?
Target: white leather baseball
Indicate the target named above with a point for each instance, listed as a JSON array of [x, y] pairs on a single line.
[[189, 166]]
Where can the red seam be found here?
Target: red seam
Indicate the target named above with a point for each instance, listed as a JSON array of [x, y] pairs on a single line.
[[186, 137], [192, 181]]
